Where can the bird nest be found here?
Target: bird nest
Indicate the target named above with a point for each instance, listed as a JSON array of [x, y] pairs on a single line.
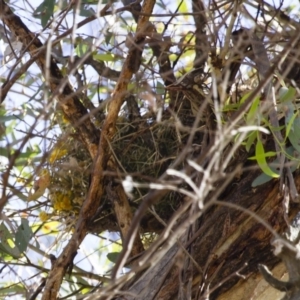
[[143, 149]]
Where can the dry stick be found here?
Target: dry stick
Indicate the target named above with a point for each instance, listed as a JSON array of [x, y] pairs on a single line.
[[96, 188], [5, 176], [88, 135], [9, 82], [131, 65], [157, 252], [123, 212], [228, 35], [121, 206], [220, 283], [56, 92], [201, 39], [122, 9], [275, 283], [72, 108], [281, 16], [5, 88], [101, 68], [165, 68]]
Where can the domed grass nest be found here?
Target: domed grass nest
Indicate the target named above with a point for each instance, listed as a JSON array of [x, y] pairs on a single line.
[[143, 149]]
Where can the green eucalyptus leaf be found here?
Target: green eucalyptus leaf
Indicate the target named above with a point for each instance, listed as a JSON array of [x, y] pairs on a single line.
[[105, 57], [290, 123], [294, 134], [45, 11], [81, 49], [253, 111], [182, 6], [12, 289], [245, 97], [260, 156], [9, 118], [84, 12], [261, 179], [250, 140], [7, 242], [160, 88], [4, 152], [108, 36], [113, 256], [27, 156], [264, 178], [287, 94], [23, 235], [263, 154]]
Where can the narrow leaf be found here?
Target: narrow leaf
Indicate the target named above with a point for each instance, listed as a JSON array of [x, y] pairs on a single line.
[[45, 11], [23, 235], [294, 134], [261, 159], [287, 94], [113, 256], [250, 140], [105, 57], [253, 111], [7, 242]]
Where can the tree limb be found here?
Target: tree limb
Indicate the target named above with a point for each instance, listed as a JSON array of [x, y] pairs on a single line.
[[72, 107], [102, 159]]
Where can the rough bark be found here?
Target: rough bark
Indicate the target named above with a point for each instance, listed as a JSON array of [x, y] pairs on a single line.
[[229, 245]]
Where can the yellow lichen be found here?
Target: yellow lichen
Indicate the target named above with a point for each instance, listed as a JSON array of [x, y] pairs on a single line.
[[43, 216], [65, 119], [56, 154], [61, 201]]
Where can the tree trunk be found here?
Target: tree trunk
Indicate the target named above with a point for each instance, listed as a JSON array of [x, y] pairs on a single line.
[[227, 246]]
